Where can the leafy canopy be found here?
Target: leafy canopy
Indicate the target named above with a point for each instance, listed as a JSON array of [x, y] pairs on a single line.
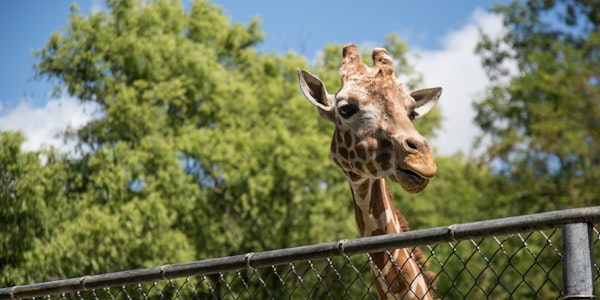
[[543, 123], [202, 147]]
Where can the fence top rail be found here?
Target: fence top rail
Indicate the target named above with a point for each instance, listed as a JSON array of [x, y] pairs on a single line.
[[452, 233]]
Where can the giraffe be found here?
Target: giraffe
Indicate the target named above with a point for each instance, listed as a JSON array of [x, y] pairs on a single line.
[[374, 140]]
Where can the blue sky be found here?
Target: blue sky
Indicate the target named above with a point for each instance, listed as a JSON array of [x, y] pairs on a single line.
[[305, 26], [430, 28]]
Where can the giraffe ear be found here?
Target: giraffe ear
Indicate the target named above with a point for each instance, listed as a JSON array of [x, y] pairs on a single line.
[[426, 100], [314, 90]]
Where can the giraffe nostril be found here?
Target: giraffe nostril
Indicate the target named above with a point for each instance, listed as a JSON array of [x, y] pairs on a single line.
[[412, 144]]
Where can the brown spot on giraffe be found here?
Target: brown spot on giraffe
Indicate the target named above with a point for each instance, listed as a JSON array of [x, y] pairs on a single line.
[[353, 177], [342, 151], [358, 165], [359, 217], [347, 139], [352, 154], [372, 168], [378, 207], [374, 140], [384, 160], [338, 138]]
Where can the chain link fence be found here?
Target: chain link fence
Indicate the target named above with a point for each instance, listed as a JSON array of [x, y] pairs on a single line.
[[527, 257]]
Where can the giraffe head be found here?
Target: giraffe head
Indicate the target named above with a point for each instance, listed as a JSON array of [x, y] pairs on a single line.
[[374, 135]]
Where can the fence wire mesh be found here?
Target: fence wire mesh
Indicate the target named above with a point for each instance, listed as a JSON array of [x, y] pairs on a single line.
[[520, 265]]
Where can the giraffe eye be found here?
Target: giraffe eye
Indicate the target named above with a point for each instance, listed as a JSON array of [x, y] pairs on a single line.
[[347, 111]]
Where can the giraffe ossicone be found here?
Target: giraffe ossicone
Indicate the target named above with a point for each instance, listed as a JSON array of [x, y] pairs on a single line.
[[374, 139]]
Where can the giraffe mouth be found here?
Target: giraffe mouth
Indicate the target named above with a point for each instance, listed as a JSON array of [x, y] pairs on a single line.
[[410, 180], [413, 175]]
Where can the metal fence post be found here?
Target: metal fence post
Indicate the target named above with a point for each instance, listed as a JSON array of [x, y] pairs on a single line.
[[577, 261]]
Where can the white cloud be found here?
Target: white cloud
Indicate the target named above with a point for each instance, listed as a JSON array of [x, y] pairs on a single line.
[[457, 69], [97, 6], [42, 126]]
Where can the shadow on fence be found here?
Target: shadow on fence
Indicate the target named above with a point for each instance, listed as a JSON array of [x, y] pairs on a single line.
[[539, 256]]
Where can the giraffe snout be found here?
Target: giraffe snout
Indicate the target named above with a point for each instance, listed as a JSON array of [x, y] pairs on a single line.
[[415, 158]]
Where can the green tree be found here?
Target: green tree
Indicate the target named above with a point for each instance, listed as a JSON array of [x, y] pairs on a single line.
[[202, 147], [540, 121], [31, 198], [543, 123]]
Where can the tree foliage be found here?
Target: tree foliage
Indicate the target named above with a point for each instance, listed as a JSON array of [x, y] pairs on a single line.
[[201, 147], [543, 123], [541, 114], [32, 201]]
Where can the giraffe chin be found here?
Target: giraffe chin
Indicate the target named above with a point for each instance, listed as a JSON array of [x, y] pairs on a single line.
[[410, 181]]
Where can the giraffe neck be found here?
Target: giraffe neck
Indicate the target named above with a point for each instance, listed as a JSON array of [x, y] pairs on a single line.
[[397, 273]]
